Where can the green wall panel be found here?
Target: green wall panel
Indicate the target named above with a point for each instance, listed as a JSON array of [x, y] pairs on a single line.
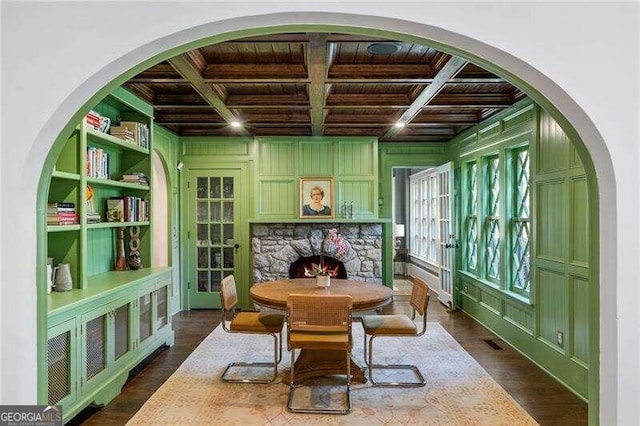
[[276, 197], [524, 115], [560, 247], [278, 158], [469, 289], [581, 310], [550, 220], [552, 305], [552, 150], [231, 148], [101, 245], [356, 158], [360, 193], [316, 158], [579, 221], [522, 318], [490, 130], [491, 302]]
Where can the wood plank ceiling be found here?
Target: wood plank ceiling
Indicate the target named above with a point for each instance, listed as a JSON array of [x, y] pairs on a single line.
[[319, 84]]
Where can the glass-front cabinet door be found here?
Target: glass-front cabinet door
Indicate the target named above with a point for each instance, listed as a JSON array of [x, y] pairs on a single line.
[[212, 235]]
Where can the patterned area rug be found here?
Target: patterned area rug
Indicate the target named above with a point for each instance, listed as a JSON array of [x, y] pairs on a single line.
[[458, 391]]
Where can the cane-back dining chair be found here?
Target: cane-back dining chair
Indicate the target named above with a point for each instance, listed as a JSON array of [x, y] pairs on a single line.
[[319, 323], [397, 326], [251, 323]]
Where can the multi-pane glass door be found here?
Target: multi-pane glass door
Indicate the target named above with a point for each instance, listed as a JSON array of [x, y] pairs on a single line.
[[212, 235], [447, 238]]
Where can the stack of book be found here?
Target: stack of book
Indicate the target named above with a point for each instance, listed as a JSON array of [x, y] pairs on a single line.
[[124, 133], [132, 131], [93, 120], [135, 177], [93, 217], [61, 214]]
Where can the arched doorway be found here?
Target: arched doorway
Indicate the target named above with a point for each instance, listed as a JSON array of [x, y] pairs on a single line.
[[543, 94]]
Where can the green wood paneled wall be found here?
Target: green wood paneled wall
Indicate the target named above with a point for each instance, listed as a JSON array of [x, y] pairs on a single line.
[[559, 300], [351, 162]]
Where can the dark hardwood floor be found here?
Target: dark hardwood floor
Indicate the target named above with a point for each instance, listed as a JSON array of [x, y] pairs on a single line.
[[546, 400]]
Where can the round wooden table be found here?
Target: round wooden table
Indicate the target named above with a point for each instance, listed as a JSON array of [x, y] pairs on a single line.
[[312, 363], [366, 296]]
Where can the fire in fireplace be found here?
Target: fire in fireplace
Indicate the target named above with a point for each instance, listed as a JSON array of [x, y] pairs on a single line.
[[334, 267]]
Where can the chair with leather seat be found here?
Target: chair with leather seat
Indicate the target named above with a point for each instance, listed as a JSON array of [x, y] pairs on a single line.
[[396, 326], [249, 323], [319, 323]]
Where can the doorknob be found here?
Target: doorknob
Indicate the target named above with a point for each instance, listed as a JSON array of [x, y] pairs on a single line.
[[237, 246]]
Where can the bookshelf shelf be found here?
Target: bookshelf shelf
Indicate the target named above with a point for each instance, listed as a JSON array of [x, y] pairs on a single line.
[[117, 184], [65, 176], [102, 225], [62, 228], [98, 138]]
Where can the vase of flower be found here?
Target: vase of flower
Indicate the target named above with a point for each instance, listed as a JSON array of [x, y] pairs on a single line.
[[323, 281]]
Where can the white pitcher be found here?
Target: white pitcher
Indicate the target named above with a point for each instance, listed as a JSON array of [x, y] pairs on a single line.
[[63, 280], [49, 274]]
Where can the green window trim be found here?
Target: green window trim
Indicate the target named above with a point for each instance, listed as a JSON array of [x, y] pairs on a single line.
[[520, 229], [471, 222], [492, 222]]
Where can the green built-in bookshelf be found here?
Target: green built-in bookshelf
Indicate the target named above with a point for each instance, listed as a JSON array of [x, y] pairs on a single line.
[[87, 173], [109, 320]]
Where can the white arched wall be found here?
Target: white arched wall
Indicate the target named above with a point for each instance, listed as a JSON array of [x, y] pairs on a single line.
[[80, 66]]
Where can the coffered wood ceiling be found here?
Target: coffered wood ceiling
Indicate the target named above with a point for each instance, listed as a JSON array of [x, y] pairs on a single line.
[[320, 84]]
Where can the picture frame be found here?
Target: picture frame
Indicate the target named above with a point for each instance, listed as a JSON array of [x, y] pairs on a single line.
[[323, 206]]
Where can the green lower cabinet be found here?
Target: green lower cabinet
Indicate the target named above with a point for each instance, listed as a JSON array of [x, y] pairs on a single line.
[[98, 335], [106, 344], [62, 351], [154, 321]]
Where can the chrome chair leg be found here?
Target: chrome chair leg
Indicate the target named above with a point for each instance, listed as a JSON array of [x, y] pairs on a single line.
[[277, 356], [370, 367]]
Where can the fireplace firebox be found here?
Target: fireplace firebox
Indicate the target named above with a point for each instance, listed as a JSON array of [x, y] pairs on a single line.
[[301, 267]]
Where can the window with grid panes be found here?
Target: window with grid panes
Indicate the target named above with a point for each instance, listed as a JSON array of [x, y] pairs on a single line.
[[520, 224], [424, 214], [492, 221], [471, 227]]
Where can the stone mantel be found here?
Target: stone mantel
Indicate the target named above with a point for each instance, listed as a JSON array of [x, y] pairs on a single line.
[[276, 245]]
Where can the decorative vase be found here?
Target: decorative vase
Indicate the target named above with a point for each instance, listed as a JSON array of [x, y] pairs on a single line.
[[63, 280], [323, 281], [121, 261]]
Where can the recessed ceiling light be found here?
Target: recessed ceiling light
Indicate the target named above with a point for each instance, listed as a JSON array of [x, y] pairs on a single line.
[[235, 124], [383, 48], [400, 124]]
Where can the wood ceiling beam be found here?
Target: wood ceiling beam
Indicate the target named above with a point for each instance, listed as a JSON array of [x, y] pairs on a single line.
[[452, 67], [188, 69], [317, 55]]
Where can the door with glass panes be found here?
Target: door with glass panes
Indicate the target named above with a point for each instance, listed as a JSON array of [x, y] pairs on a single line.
[[212, 234]]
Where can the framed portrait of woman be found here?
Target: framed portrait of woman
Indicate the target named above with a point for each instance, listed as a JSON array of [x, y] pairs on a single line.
[[316, 197]]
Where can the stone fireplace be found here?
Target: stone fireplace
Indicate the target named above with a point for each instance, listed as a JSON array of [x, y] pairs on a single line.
[[276, 246]]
